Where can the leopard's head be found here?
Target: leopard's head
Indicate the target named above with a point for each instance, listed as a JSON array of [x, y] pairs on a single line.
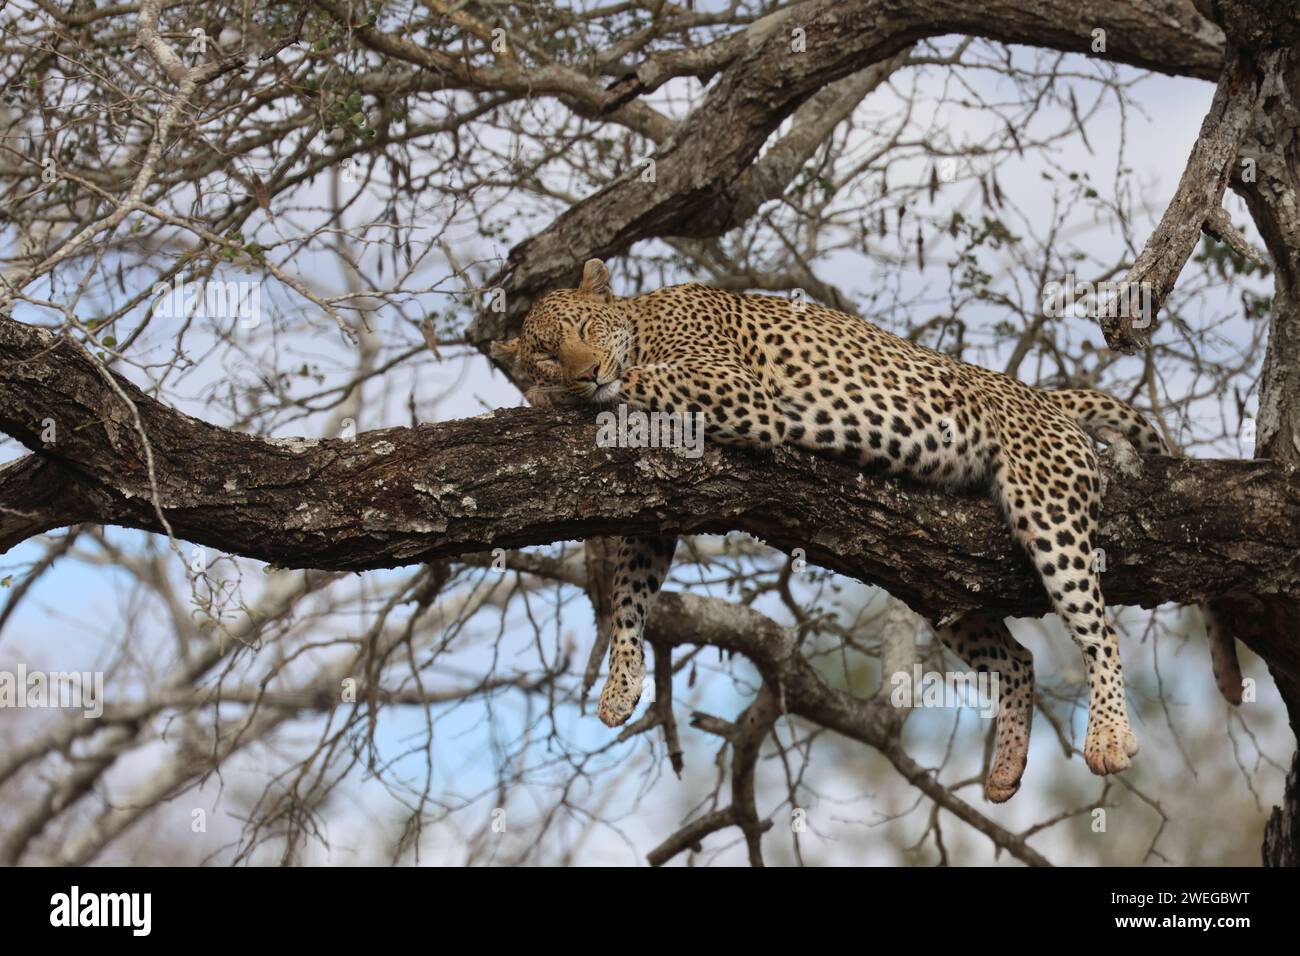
[[575, 342]]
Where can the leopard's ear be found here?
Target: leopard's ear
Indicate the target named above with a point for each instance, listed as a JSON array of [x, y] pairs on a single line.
[[595, 279], [505, 352]]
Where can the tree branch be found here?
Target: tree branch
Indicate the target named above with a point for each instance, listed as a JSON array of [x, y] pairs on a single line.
[[1194, 207], [1182, 531], [679, 618], [697, 171]]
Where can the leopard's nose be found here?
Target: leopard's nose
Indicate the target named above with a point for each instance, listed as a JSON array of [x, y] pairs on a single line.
[[587, 374]]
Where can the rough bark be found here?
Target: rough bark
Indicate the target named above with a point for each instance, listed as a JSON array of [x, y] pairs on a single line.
[[1282, 833], [1268, 177], [1194, 207]]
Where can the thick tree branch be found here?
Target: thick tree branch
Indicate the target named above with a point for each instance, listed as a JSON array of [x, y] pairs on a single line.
[[1195, 207], [1183, 531], [36, 495], [1267, 36]]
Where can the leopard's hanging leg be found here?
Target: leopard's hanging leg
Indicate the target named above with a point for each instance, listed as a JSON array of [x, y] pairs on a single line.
[[639, 572], [643, 562], [639, 568], [1051, 499], [1126, 431], [985, 644]]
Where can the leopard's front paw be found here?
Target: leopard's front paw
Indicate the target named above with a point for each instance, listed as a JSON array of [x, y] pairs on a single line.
[[1009, 761], [1120, 453], [1109, 749], [996, 791]]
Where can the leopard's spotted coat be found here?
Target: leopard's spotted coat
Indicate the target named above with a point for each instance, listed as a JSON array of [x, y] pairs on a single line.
[[765, 371]]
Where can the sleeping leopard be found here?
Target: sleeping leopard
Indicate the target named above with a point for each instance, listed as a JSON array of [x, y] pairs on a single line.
[[766, 371]]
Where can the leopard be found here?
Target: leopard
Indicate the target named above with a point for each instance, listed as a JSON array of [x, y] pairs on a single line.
[[765, 371]]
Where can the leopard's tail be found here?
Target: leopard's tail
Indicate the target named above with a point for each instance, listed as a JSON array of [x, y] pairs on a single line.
[[1097, 413], [1104, 419], [1223, 654]]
